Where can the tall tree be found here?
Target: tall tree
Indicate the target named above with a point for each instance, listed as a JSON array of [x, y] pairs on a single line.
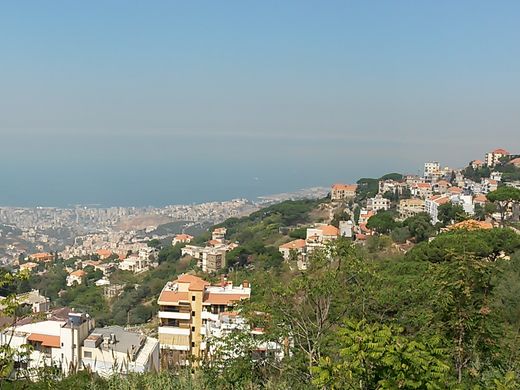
[[504, 197]]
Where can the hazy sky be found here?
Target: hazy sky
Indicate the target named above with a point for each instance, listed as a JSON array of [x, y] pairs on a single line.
[[154, 102]]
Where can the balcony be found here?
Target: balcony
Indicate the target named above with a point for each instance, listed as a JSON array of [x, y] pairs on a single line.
[[175, 315], [206, 315], [174, 330]]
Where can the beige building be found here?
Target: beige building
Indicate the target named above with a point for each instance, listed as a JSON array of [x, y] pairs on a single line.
[[186, 306], [343, 191], [410, 207]]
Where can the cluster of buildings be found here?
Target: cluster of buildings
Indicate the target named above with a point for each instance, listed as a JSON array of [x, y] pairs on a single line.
[[317, 237], [437, 186], [194, 319], [70, 341], [212, 256]]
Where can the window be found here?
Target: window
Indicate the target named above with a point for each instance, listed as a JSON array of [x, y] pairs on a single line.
[[193, 329], [193, 344], [87, 354], [193, 297], [193, 314]]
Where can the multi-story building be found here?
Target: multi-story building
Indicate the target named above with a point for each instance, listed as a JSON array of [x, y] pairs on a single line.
[[493, 158], [186, 306], [135, 263], [422, 190], [432, 169], [431, 206], [377, 203], [395, 187], [343, 191], [410, 207], [57, 341], [219, 234]]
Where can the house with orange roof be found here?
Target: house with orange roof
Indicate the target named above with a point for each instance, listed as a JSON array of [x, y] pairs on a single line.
[[365, 215], [76, 277], [104, 253], [293, 247], [422, 190], [189, 308], [343, 191], [42, 256], [515, 162], [470, 224], [441, 186], [219, 234], [476, 164], [493, 158], [480, 199], [454, 191], [182, 239]]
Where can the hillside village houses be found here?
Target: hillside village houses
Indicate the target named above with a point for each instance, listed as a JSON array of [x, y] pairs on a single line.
[[438, 186], [70, 341], [212, 257], [316, 238]]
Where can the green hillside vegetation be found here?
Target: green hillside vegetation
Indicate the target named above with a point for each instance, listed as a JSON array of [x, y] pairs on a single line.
[[446, 314]]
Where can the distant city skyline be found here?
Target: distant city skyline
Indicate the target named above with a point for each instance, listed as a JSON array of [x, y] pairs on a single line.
[[134, 104]]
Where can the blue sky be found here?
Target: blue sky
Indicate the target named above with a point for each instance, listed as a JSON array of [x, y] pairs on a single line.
[[126, 102]]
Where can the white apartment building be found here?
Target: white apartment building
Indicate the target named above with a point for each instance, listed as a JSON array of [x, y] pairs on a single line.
[[377, 203], [54, 342], [431, 206], [135, 264]]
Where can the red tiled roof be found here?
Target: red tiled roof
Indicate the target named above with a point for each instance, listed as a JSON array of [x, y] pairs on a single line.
[[471, 224], [345, 187], [515, 161], [500, 151], [196, 283], [223, 299], [329, 230], [173, 296], [46, 340], [296, 244]]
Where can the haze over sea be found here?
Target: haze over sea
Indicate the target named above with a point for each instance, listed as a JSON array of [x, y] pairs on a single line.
[[123, 103]]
